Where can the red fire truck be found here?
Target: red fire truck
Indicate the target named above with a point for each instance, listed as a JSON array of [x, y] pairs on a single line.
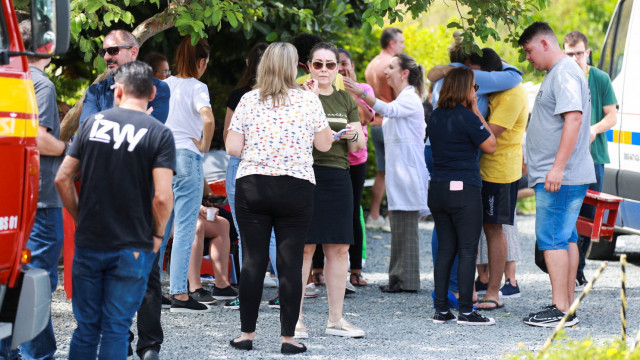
[[25, 293]]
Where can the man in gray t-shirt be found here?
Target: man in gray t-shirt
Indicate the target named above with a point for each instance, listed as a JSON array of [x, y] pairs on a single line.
[[560, 164], [47, 236]]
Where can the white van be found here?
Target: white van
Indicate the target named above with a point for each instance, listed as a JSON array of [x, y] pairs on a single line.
[[621, 60]]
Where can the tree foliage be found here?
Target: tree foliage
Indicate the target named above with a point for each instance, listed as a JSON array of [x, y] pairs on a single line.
[[277, 20]]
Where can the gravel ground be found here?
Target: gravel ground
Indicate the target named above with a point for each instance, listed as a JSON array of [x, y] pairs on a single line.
[[398, 326]]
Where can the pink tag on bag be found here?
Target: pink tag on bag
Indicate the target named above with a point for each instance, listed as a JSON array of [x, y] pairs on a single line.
[[455, 185]]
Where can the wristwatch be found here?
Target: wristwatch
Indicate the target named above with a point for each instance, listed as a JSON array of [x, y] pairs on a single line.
[[364, 94]]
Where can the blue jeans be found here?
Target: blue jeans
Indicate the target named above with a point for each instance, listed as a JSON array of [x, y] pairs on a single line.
[[590, 212], [232, 170], [108, 289], [187, 194], [556, 215], [45, 243]]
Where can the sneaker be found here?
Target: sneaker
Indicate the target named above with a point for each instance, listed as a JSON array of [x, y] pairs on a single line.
[[509, 291], [233, 304], [581, 282], [166, 302], [310, 291], [301, 331], [550, 317], [350, 289], [227, 293], [481, 288], [202, 296], [343, 328], [439, 318], [387, 225], [274, 303], [543, 308], [189, 306], [375, 224], [474, 318]]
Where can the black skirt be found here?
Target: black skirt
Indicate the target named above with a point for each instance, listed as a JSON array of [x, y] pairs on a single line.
[[332, 221]]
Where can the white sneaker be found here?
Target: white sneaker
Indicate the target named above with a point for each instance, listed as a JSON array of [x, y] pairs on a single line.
[[301, 331], [375, 224], [350, 289], [311, 291], [387, 225], [343, 328]]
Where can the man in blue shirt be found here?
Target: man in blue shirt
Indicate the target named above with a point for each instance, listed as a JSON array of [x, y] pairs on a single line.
[[120, 47]]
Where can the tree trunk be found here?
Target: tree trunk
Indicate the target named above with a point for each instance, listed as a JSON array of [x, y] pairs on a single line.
[[147, 29]]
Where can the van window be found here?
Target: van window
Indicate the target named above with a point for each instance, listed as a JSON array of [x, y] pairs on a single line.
[[614, 46]]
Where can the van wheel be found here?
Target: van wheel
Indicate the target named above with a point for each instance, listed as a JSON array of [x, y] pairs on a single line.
[[602, 250]]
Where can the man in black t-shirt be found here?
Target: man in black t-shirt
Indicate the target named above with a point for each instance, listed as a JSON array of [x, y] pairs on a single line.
[[127, 159]]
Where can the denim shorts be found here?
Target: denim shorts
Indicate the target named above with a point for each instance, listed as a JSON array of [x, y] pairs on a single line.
[[556, 215]]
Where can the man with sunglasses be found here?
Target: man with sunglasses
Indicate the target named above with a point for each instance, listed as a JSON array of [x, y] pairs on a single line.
[[120, 47], [603, 118]]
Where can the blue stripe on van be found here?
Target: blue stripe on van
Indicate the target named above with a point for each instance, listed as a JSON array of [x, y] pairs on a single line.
[[609, 134], [635, 138]]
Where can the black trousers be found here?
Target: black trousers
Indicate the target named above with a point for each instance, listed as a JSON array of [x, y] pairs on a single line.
[[358, 174], [458, 218], [150, 334], [285, 204]]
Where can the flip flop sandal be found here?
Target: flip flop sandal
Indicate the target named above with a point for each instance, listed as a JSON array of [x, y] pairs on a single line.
[[357, 280], [487, 301]]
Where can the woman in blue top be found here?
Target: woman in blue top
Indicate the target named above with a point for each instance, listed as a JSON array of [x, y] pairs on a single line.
[[457, 131]]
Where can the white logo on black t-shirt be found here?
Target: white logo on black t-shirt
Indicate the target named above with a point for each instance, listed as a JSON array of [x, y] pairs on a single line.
[[100, 133]]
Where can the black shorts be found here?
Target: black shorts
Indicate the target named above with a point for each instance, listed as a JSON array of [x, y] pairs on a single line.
[[499, 202]]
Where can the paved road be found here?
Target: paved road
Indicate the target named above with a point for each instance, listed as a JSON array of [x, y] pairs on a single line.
[[398, 325]]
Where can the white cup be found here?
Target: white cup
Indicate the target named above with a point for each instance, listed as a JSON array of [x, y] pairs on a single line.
[[211, 213]]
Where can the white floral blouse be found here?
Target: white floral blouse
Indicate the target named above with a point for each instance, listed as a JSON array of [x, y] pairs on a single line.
[[278, 140]]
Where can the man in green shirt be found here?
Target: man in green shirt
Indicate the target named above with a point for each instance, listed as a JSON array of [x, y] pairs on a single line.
[[603, 118]]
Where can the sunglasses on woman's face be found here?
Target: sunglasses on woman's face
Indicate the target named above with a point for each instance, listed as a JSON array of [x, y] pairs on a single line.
[[318, 65], [476, 87], [113, 51]]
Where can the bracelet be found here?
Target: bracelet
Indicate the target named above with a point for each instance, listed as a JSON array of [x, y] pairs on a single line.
[[158, 236], [66, 147], [354, 138]]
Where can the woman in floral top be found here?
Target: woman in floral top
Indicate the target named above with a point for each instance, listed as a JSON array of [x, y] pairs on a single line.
[[274, 129]]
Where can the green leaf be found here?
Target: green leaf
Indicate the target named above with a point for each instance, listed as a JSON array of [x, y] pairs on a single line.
[[366, 28], [272, 36], [231, 18], [93, 6], [217, 16], [262, 27], [127, 17]]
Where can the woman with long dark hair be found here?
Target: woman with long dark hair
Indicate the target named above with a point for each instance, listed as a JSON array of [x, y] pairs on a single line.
[[457, 131], [191, 122], [273, 130], [246, 82], [332, 223]]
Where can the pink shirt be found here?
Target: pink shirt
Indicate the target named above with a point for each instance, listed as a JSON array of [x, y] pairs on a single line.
[[360, 156]]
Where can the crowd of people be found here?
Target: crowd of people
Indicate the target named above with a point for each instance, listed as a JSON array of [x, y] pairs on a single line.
[[296, 130]]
